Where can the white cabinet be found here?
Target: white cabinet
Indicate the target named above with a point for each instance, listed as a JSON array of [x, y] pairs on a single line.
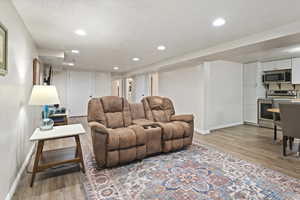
[[283, 64], [268, 66], [277, 65], [296, 71]]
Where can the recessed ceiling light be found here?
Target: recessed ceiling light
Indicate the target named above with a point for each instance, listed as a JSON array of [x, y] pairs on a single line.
[[80, 32], [68, 63], [161, 48], [136, 59], [116, 68], [219, 22], [75, 51]]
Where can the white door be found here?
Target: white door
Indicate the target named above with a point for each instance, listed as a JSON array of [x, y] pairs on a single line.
[[116, 88], [140, 88], [80, 91]]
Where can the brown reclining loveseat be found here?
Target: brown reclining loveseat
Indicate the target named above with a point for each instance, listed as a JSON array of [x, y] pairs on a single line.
[[123, 132], [177, 130], [115, 139]]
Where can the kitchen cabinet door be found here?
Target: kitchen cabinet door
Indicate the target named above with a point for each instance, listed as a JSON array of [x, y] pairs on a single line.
[[283, 64], [268, 66], [277, 65], [296, 71]]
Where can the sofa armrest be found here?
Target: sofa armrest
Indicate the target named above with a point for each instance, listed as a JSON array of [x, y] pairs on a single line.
[[185, 118], [99, 134], [99, 128]]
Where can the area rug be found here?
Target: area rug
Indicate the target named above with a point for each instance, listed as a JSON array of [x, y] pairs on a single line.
[[198, 172]]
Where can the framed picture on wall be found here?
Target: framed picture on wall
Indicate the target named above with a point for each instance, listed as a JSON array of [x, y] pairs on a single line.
[[3, 50], [37, 72]]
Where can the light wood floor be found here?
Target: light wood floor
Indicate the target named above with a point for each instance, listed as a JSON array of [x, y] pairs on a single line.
[[246, 142]]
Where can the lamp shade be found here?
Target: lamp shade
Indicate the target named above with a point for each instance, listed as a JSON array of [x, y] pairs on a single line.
[[44, 95]]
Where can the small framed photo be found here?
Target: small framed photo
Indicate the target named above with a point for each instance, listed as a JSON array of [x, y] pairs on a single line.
[[3, 50]]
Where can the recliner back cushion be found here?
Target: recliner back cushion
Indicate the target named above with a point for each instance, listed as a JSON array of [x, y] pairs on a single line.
[[112, 104], [159, 109], [126, 113], [137, 111], [111, 111], [168, 108], [114, 120], [160, 116], [96, 112], [156, 103]]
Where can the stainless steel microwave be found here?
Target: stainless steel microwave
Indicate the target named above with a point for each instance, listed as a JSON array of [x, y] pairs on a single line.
[[283, 76]]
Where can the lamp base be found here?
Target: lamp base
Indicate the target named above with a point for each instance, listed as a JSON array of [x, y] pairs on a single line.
[[46, 124]]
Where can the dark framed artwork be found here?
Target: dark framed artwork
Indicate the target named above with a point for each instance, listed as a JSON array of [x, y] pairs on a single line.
[[3, 50]]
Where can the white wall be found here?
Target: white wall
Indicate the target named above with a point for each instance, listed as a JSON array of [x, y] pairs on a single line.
[[99, 85], [102, 84], [185, 87], [213, 92], [17, 119], [223, 94], [60, 80]]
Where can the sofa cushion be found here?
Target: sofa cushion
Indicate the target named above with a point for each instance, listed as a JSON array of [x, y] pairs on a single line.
[[96, 112], [159, 109], [159, 116], [112, 104], [143, 122], [173, 145], [137, 111], [168, 108], [156, 103], [188, 129], [139, 133], [122, 138], [114, 120], [171, 130], [126, 114]]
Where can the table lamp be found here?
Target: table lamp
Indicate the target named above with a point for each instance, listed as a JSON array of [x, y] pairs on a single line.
[[44, 95]]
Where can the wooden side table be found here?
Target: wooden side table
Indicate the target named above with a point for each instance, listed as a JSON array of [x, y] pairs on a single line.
[[70, 155]]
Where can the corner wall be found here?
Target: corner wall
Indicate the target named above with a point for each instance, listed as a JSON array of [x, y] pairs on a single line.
[[223, 94], [185, 87], [213, 92], [17, 118]]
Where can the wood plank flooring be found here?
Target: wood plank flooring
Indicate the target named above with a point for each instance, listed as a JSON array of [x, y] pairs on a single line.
[[246, 142]]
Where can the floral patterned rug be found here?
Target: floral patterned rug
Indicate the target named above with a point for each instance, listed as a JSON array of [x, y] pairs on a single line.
[[198, 172]]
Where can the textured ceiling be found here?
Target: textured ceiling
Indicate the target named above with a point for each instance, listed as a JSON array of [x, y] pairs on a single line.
[[118, 30]]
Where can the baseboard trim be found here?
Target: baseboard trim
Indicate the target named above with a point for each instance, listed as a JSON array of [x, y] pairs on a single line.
[[251, 124], [227, 126], [14, 186], [203, 132]]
